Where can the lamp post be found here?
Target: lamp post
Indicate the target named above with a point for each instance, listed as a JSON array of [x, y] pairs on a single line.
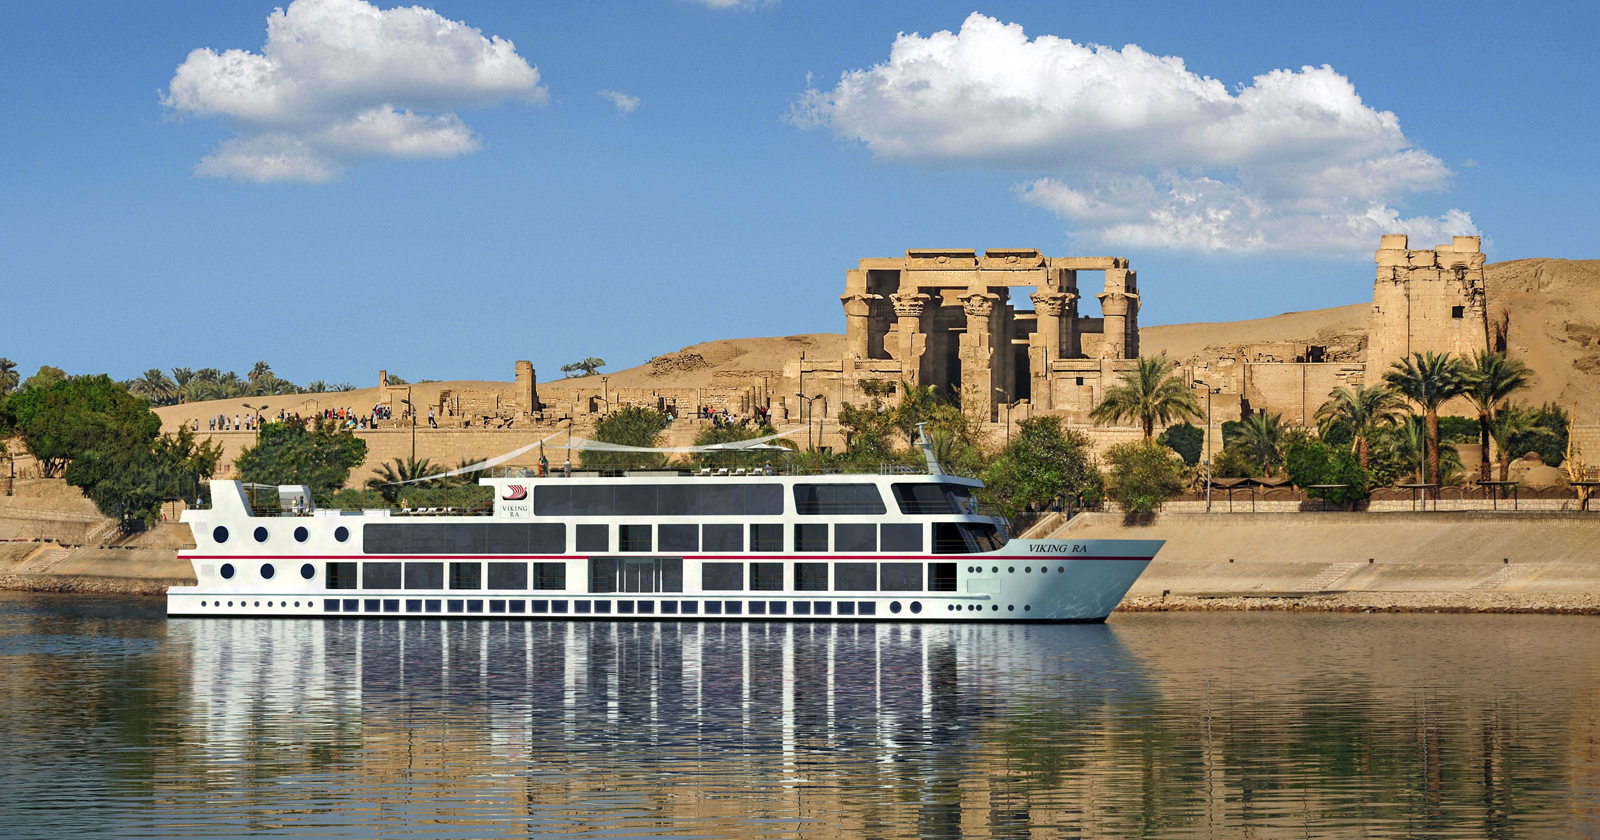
[[1002, 392], [810, 413], [257, 409], [1209, 391]]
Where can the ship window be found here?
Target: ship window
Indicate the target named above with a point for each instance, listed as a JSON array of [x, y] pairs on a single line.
[[219, 534], [724, 537], [413, 605], [679, 537], [497, 606], [602, 574], [391, 605], [508, 576], [811, 577], [900, 537], [941, 577], [633, 499], [475, 606], [424, 575], [341, 575], [466, 538], [900, 577], [380, 575], [539, 606], [855, 577], [802, 607], [722, 577], [466, 575], [227, 571], [847, 608], [301, 534], [932, 498], [594, 538], [867, 608], [549, 576], [602, 606], [766, 577], [382, 539], [857, 499], [512, 538], [261, 535], [822, 607], [341, 533], [810, 538], [454, 605], [671, 574], [689, 607], [758, 608], [633, 537], [267, 571], [766, 537], [731, 607], [308, 571], [855, 537], [558, 606], [964, 538], [669, 607], [430, 605], [713, 608], [330, 605], [777, 607]]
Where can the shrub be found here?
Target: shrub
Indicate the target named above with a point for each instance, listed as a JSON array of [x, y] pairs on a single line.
[[1043, 463], [1143, 476], [1186, 440], [1313, 462]]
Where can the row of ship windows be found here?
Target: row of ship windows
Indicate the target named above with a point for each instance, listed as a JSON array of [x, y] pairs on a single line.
[[810, 499], [621, 607]]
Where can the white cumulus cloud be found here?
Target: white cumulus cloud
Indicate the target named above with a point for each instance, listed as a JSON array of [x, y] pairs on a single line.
[[342, 80], [1135, 149], [736, 4], [625, 103]]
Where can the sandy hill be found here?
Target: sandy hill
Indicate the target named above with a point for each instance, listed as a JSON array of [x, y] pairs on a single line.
[[1553, 306]]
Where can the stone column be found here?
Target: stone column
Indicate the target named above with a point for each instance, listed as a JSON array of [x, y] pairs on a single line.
[[977, 355], [1054, 311], [1120, 306], [857, 323], [908, 310], [527, 388]]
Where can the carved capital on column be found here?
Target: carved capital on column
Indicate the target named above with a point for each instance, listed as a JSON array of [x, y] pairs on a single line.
[[858, 305], [909, 306], [978, 304], [1117, 303], [1054, 304]]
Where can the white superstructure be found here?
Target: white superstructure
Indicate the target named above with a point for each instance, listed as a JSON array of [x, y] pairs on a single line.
[[657, 545]]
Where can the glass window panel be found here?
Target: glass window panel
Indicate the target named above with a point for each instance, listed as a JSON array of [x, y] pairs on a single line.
[[594, 537], [637, 499], [507, 538], [678, 537], [424, 575], [380, 575], [900, 577], [941, 577], [427, 539], [846, 499], [855, 537], [508, 575], [679, 500], [550, 576], [855, 577], [722, 577], [766, 537], [766, 577], [671, 574], [552, 500], [726, 500], [381, 539], [906, 537], [466, 575], [469, 538], [722, 537], [597, 500], [634, 537], [811, 577], [763, 499], [547, 538], [341, 576], [602, 574], [810, 538]]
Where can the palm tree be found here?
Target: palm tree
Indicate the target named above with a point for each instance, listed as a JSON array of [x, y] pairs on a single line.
[[1429, 380], [181, 377], [1512, 421], [154, 386], [391, 479], [259, 371], [1261, 437], [917, 405], [9, 378], [1150, 394], [1363, 409], [316, 386], [1492, 380], [230, 386], [208, 375], [345, 386], [587, 367]]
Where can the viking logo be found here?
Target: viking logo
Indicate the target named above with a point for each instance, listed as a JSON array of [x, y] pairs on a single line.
[[515, 493]]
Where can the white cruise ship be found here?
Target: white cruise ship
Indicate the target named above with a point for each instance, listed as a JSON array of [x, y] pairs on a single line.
[[662, 545]]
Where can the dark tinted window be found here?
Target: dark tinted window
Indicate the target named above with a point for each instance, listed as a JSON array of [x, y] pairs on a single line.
[[424, 575], [594, 537], [602, 574], [380, 575], [932, 498], [722, 577], [545, 538], [671, 571], [723, 537], [466, 538], [861, 499], [855, 537], [678, 537], [900, 537], [855, 577], [810, 538], [766, 537], [941, 577], [964, 538], [766, 577], [341, 575], [549, 576], [382, 539], [634, 499], [509, 538], [633, 537], [811, 577], [508, 576], [900, 577], [466, 575]]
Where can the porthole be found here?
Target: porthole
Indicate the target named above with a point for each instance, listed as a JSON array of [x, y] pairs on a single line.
[[202, 603], [341, 533], [916, 607], [230, 603], [301, 534], [308, 571], [894, 607], [261, 534], [297, 605], [219, 534], [1011, 570], [995, 570], [1027, 608], [227, 574], [267, 571], [996, 608], [258, 603], [1028, 569], [1060, 569], [1011, 608]]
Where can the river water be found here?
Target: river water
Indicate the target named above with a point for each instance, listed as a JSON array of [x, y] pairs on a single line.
[[119, 722]]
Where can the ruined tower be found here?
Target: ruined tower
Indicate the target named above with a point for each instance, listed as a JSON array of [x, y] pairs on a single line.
[[1426, 301]]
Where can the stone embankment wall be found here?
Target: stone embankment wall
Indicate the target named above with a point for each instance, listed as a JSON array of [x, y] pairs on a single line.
[[1466, 561]]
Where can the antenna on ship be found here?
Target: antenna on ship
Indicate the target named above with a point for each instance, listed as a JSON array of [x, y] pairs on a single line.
[[927, 451]]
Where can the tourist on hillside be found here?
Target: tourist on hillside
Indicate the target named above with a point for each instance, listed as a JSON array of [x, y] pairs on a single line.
[[431, 422]]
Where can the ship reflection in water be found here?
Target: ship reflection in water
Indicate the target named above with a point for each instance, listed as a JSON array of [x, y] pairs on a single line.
[[1170, 726]]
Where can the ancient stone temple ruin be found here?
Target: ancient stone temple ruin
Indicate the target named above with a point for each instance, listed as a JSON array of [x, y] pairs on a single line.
[[947, 318], [1428, 301]]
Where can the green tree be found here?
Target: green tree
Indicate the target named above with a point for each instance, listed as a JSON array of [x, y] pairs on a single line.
[[128, 475], [319, 456], [1429, 380], [391, 480], [630, 425], [67, 418], [1491, 381], [1234, 462], [1361, 411], [1150, 394], [1547, 435], [317, 386], [259, 371], [1514, 422], [1044, 462], [1185, 439], [710, 435], [868, 432], [1143, 476], [155, 386], [9, 378], [46, 377], [1312, 462], [917, 405], [1260, 437], [588, 367]]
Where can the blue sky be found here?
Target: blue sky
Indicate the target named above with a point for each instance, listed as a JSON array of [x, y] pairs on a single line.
[[510, 217]]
